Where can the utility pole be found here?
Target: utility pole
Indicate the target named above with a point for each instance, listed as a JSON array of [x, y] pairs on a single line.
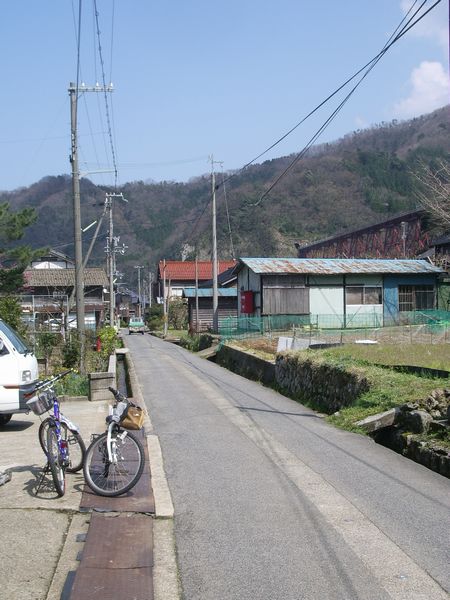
[[79, 279], [111, 249], [150, 290], [79, 270], [196, 293], [215, 315], [165, 302], [139, 267]]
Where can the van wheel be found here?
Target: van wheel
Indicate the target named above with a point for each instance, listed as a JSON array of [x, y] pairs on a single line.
[[4, 419]]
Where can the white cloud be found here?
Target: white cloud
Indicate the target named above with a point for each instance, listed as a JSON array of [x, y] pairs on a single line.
[[433, 26], [429, 90]]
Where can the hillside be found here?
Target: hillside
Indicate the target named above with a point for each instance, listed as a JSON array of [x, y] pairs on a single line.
[[362, 178]]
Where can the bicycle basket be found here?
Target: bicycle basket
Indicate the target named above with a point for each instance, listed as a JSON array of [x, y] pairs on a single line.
[[40, 403]]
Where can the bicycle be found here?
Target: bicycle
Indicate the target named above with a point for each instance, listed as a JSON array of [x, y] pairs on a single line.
[[59, 438], [115, 459]]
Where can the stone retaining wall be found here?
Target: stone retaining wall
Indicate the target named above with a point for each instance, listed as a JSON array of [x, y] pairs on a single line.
[[328, 386], [247, 365]]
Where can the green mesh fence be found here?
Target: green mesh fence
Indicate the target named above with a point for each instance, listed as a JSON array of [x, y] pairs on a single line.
[[335, 328]]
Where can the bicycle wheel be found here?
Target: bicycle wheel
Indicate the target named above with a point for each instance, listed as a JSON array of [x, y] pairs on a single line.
[[107, 478], [56, 461], [76, 447]]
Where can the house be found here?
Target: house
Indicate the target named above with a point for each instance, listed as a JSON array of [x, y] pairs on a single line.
[[203, 299], [49, 288], [337, 292], [175, 275], [226, 303]]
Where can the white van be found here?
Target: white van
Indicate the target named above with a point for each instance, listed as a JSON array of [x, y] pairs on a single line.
[[18, 373]]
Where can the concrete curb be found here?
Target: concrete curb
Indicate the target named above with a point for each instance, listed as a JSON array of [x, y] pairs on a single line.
[[69, 558], [163, 499]]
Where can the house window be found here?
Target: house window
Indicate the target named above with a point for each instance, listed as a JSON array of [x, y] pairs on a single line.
[[415, 297], [363, 294]]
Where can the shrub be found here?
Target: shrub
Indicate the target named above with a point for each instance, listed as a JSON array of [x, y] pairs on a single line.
[[71, 351], [195, 343], [155, 317], [73, 384], [46, 341], [109, 340], [178, 314]]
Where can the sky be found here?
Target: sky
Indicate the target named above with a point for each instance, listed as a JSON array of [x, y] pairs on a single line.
[[196, 78]]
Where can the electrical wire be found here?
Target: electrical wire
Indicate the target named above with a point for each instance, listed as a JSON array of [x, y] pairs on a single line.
[[108, 120], [112, 40], [228, 215], [392, 40], [78, 44], [341, 87]]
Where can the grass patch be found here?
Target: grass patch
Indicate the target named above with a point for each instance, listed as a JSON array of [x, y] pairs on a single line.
[[387, 388], [432, 356]]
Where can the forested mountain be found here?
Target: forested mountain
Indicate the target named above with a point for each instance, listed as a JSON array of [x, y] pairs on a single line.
[[363, 178]]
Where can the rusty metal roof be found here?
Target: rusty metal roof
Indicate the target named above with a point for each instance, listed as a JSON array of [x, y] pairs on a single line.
[[179, 270], [336, 266]]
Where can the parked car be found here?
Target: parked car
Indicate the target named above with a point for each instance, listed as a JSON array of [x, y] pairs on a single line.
[[136, 325], [18, 373]]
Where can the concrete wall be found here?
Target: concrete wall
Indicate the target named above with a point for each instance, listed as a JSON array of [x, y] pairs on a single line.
[[99, 382]]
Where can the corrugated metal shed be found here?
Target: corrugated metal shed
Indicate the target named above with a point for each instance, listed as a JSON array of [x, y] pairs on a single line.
[[336, 266], [208, 292]]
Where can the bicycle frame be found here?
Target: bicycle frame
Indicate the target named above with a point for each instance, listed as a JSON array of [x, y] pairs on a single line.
[[112, 457], [56, 419]]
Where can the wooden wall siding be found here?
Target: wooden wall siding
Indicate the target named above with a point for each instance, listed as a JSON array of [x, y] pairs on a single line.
[[285, 295], [227, 308], [285, 301]]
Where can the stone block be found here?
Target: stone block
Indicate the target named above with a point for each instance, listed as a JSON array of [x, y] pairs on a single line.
[[380, 420], [417, 421]]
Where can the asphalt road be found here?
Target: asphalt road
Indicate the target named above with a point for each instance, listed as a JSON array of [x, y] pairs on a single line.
[[272, 503]]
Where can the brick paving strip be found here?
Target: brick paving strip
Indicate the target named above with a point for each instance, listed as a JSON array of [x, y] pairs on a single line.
[[117, 559]]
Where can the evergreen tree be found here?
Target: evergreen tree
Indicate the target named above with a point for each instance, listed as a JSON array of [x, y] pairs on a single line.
[[14, 258]]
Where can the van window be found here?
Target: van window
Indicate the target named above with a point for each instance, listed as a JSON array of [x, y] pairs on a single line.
[[18, 343]]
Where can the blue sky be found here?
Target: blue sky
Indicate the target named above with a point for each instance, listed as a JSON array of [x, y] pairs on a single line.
[[194, 78]]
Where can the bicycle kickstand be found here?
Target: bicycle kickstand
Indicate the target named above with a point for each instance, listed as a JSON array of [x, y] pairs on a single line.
[[45, 470]]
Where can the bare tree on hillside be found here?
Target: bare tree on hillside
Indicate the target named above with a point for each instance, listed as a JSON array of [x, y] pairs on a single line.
[[434, 193]]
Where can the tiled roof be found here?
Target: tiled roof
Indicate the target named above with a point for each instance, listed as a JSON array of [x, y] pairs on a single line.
[[63, 277], [182, 270], [337, 266]]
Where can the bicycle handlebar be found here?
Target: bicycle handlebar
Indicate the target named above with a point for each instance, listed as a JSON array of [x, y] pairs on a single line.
[[117, 395], [52, 380]]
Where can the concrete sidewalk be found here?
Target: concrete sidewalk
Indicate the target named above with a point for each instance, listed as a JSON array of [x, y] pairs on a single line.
[[39, 533], [43, 536]]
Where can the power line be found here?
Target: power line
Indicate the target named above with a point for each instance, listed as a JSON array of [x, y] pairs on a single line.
[[342, 86], [367, 70], [228, 214], [108, 120]]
